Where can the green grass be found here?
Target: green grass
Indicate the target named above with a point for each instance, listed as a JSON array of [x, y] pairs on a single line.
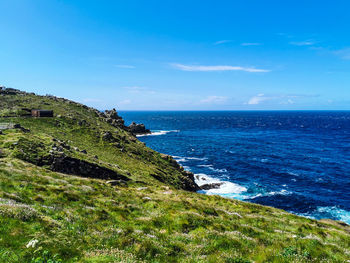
[[74, 219]]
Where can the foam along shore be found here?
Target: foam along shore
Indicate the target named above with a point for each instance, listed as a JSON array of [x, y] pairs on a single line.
[[214, 186], [155, 133]]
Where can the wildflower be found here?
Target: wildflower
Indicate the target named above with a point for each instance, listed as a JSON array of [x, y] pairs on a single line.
[[32, 243]]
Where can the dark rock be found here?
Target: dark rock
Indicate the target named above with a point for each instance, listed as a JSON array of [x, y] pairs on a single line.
[[69, 165], [189, 182], [82, 123], [117, 182], [10, 91], [108, 137], [211, 186], [171, 160], [84, 151], [18, 126], [137, 129], [112, 117], [112, 114]]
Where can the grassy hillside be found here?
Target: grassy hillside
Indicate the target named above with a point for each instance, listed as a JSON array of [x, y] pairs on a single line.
[[135, 207]]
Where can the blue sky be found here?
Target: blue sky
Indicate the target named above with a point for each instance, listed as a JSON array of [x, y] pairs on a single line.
[[180, 55]]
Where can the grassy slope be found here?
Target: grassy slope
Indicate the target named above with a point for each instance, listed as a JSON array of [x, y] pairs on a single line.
[[78, 219]]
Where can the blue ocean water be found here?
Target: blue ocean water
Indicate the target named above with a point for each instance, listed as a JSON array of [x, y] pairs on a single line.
[[295, 160]]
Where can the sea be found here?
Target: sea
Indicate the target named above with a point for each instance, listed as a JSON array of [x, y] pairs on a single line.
[[298, 161]]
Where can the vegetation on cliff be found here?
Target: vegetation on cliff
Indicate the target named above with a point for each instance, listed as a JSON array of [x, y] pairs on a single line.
[[79, 187]]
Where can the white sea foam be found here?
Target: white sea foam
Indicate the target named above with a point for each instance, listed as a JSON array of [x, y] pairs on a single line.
[[186, 159], [180, 159], [196, 158], [210, 167], [272, 193], [155, 133], [333, 212], [218, 170], [227, 189]]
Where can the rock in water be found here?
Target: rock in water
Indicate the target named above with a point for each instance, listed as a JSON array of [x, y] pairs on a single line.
[[211, 186], [138, 129]]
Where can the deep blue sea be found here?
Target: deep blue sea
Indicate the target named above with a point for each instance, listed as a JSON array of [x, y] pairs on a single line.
[[295, 160]]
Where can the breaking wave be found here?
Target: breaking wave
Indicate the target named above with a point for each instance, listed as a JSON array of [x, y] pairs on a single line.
[[155, 133]]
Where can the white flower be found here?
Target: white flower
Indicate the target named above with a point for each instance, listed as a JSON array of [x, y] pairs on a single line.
[[32, 243]]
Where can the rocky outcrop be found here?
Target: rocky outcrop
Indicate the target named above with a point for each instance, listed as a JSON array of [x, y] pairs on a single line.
[[57, 157], [188, 181], [211, 186], [108, 137], [10, 91], [138, 129], [69, 165], [112, 117], [171, 160]]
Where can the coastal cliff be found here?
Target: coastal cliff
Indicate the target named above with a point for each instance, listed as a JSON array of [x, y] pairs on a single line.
[[80, 187]]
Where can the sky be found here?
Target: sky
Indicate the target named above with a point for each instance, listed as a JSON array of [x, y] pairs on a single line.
[[180, 55]]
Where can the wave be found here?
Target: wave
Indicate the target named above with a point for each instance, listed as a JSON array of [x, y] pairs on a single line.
[[210, 167], [226, 189], [332, 212], [186, 159], [155, 133], [218, 170], [196, 158], [272, 193]]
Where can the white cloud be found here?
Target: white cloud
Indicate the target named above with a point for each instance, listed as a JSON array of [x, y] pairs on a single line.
[[216, 68], [257, 99], [214, 100], [222, 42], [125, 66], [280, 99], [343, 53], [288, 101], [303, 43], [250, 44], [138, 89]]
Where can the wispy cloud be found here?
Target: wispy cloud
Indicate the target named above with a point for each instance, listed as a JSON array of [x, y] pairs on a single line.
[[343, 53], [214, 100], [280, 99], [303, 43], [258, 99], [216, 68], [124, 102], [138, 89], [220, 42], [250, 44], [125, 66]]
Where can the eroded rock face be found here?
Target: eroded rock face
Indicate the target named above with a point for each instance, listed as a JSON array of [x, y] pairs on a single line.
[[108, 137], [137, 129], [171, 160], [211, 186], [188, 182], [10, 91], [112, 117], [69, 165]]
